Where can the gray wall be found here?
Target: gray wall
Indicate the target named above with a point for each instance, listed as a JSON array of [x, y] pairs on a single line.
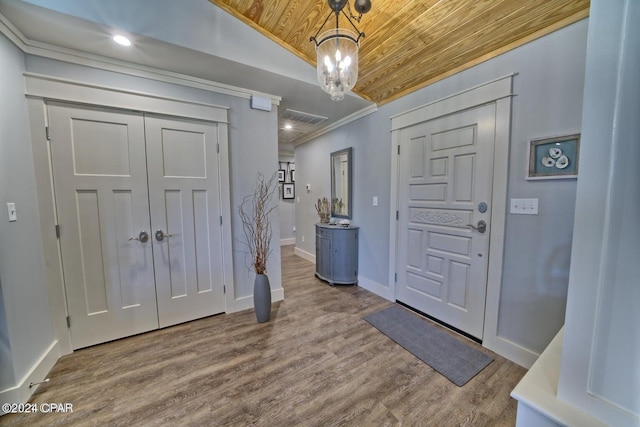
[[287, 208], [25, 330], [253, 136], [25, 319], [548, 102]]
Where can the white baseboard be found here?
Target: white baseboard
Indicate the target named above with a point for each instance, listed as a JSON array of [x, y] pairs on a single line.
[[289, 241], [304, 254], [246, 303], [21, 393], [379, 289], [510, 350]]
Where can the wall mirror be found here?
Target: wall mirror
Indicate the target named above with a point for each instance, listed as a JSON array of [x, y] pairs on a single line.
[[341, 186]]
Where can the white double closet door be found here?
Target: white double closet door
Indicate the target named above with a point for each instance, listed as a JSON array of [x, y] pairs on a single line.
[[138, 205]]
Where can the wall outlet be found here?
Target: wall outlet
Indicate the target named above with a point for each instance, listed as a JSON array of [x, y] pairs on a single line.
[[375, 200], [302, 239], [524, 206]]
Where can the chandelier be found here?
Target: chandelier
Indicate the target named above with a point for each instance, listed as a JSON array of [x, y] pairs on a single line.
[[337, 49]]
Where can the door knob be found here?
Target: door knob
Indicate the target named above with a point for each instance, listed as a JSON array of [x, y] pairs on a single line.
[[480, 228], [160, 235], [142, 237]]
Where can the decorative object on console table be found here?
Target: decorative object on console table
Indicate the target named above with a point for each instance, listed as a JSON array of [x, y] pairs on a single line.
[[554, 158], [337, 254], [322, 207], [255, 211]]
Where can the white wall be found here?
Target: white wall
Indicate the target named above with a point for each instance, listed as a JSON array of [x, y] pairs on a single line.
[[25, 328], [287, 208], [600, 371], [548, 102]]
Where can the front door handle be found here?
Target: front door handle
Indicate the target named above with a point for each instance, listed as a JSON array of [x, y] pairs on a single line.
[[480, 228]]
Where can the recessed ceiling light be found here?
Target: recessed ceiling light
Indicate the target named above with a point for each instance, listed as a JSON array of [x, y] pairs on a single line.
[[122, 40], [288, 126]]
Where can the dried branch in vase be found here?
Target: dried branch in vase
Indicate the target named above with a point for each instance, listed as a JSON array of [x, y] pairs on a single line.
[[254, 212]]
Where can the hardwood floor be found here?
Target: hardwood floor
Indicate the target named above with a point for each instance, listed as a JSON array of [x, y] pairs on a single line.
[[316, 363]]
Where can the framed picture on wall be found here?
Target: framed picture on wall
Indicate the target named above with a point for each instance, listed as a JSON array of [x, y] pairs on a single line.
[[554, 158], [288, 191], [282, 174], [293, 175]]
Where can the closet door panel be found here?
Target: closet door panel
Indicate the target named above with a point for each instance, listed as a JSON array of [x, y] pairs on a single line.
[[100, 182], [185, 210]]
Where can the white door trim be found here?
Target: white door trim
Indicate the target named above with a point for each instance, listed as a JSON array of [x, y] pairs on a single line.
[[498, 91], [58, 89], [42, 88], [479, 95]]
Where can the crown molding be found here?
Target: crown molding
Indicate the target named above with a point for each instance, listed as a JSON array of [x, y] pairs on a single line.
[[45, 50], [335, 125]]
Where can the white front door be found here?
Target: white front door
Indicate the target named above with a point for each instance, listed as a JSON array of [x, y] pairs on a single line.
[[138, 203], [185, 214], [445, 185]]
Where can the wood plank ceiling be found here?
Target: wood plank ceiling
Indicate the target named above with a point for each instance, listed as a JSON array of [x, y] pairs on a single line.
[[412, 43]]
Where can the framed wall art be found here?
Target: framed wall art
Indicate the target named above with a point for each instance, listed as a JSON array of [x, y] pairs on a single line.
[[288, 191], [282, 174], [554, 158]]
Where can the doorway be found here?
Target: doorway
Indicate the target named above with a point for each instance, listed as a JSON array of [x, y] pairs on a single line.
[[139, 212], [445, 188], [449, 199]]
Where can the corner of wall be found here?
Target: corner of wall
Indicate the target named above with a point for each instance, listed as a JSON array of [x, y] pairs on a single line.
[[304, 254], [379, 289], [22, 391]]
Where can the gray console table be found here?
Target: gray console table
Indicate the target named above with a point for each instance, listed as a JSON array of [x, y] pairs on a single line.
[[337, 254]]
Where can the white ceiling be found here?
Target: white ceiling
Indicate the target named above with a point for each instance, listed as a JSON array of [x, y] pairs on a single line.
[[190, 37]]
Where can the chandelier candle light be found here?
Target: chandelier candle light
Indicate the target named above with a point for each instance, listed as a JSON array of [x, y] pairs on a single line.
[[337, 50]]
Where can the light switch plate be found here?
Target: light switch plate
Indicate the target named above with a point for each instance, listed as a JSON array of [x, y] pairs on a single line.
[[375, 200], [524, 206], [13, 215]]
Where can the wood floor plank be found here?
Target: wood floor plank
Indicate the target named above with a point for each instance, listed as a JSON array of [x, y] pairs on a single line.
[[315, 363]]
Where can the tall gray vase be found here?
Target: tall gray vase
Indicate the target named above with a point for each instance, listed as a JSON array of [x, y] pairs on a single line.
[[262, 298]]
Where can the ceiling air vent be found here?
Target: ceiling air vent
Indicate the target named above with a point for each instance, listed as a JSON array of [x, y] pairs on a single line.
[[299, 116]]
